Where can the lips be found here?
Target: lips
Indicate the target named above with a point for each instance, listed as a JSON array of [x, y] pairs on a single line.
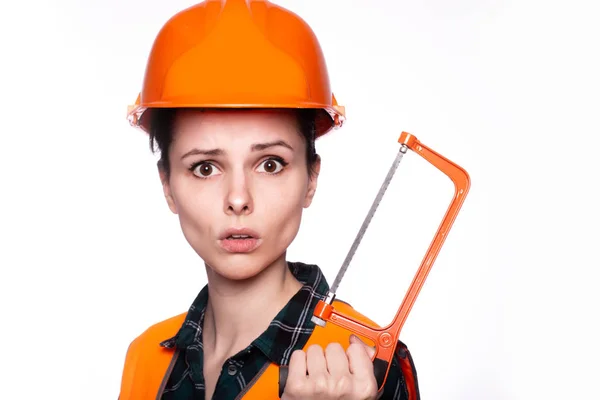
[[239, 240], [238, 233]]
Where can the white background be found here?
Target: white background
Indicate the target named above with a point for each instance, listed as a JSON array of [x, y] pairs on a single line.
[[510, 90]]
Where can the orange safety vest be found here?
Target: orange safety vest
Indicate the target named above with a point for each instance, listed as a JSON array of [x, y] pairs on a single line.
[[148, 365]]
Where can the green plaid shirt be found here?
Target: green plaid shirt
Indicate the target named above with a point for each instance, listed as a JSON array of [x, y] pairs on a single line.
[[289, 331]]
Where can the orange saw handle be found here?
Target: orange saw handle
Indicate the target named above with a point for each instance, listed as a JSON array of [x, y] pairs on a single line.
[[386, 338]]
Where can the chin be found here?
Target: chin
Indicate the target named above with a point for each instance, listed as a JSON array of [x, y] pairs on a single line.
[[239, 267]]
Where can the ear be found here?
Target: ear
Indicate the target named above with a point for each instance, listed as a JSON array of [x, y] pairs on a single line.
[[312, 183], [164, 179]]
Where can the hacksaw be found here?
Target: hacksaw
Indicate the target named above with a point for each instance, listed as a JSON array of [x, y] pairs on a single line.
[[386, 338]]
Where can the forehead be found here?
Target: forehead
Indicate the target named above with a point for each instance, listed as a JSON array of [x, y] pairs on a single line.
[[226, 128]]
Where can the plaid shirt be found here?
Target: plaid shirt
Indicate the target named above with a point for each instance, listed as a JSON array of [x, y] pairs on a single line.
[[289, 331]]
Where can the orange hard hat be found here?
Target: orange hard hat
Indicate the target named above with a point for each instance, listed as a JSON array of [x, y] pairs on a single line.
[[237, 54]]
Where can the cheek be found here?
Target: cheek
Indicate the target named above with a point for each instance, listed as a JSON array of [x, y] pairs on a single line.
[[196, 209], [281, 204]]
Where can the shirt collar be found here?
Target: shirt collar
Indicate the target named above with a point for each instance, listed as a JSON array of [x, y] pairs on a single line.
[[289, 330]]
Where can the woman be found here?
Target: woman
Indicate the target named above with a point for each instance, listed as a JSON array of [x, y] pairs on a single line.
[[235, 94]]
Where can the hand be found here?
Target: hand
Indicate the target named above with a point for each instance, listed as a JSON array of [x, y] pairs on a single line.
[[333, 373]]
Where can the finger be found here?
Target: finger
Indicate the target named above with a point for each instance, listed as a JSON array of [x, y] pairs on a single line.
[[359, 361], [297, 367], [370, 349], [315, 361], [337, 361], [361, 367]]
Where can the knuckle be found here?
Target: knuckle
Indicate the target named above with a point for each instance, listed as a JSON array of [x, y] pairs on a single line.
[[314, 348], [344, 385], [295, 388], [367, 389], [355, 347], [314, 353], [334, 346], [356, 351], [320, 386], [297, 354]]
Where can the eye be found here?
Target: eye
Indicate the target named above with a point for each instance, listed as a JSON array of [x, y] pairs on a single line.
[[272, 166], [204, 170]]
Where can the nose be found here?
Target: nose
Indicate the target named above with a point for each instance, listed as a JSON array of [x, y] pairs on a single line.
[[238, 200]]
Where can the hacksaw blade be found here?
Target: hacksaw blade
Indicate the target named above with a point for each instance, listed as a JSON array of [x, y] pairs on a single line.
[[367, 221]]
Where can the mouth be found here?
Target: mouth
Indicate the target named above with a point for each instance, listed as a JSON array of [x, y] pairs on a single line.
[[238, 234], [237, 237], [239, 240]]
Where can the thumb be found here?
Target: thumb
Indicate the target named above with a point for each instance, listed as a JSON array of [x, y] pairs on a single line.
[[370, 350]]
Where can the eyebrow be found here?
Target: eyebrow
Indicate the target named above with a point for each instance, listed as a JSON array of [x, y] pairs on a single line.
[[263, 146], [254, 147], [194, 152]]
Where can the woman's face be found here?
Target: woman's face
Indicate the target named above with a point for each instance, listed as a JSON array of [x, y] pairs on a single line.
[[239, 173]]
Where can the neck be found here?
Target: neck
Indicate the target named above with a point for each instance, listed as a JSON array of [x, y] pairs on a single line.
[[239, 311]]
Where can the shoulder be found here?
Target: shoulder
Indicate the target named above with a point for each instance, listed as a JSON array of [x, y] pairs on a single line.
[[332, 332], [156, 333], [347, 309], [146, 360]]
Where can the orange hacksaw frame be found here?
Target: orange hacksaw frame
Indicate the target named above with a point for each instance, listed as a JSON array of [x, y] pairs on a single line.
[[386, 338]]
